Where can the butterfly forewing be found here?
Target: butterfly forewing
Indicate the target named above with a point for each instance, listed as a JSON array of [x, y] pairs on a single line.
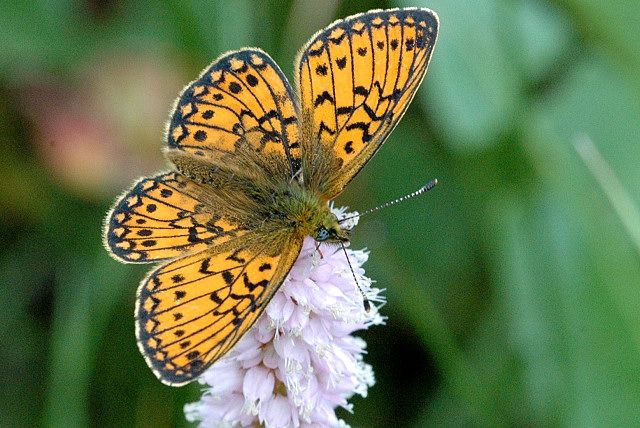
[[242, 100], [164, 217], [193, 310], [356, 79]]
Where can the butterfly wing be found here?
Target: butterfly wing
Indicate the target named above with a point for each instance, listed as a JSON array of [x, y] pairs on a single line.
[[356, 79], [242, 100], [165, 217], [193, 310]]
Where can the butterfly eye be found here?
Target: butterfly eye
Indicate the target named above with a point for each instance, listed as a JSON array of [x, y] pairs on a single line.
[[322, 234]]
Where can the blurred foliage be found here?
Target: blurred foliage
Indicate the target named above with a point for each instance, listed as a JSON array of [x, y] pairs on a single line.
[[513, 288]]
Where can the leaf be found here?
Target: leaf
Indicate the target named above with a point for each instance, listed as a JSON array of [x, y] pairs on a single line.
[[471, 87]]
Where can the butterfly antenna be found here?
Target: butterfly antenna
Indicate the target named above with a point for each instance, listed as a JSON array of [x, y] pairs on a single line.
[[365, 300], [430, 185]]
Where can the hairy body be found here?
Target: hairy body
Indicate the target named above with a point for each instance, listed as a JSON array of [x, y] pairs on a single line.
[[253, 190]]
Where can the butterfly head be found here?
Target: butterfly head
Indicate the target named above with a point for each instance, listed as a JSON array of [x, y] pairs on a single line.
[[327, 228], [332, 234], [309, 214]]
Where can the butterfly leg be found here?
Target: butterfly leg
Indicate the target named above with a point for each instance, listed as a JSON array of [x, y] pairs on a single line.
[[318, 250], [297, 177]]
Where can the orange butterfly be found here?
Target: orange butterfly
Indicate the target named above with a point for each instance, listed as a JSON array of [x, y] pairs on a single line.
[[255, 167]]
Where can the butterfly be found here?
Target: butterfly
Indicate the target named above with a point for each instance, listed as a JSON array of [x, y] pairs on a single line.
[[254, 167]]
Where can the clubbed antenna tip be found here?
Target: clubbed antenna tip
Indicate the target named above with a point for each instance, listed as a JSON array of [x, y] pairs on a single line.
[[430, 185]]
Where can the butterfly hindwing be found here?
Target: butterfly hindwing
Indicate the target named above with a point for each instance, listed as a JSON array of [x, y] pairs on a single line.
[[193, 310], [356, 79], [162, 218], [241, 100]]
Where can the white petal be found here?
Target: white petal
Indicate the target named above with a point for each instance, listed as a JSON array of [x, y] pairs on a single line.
[[258, 383], [270, 358], [224, 378], [274, 309], [278, 413], [322, 273], [298, 319]]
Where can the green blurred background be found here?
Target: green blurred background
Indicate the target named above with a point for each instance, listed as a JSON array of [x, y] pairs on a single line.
[[513, 287]]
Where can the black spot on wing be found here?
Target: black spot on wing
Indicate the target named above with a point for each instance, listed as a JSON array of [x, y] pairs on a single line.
[[228, 277], [204, 267], [364, 127], [215, 298], [200, 135], [321, 70], [235, 88], [323, 97], [348, 147], [236, 258], [361, 90], [409, 44], [252, 80], [264, 266], [253, 285], [325, 129], [338, 40]]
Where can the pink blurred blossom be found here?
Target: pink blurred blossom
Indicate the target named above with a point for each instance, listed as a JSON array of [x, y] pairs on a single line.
[[105, 127]]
